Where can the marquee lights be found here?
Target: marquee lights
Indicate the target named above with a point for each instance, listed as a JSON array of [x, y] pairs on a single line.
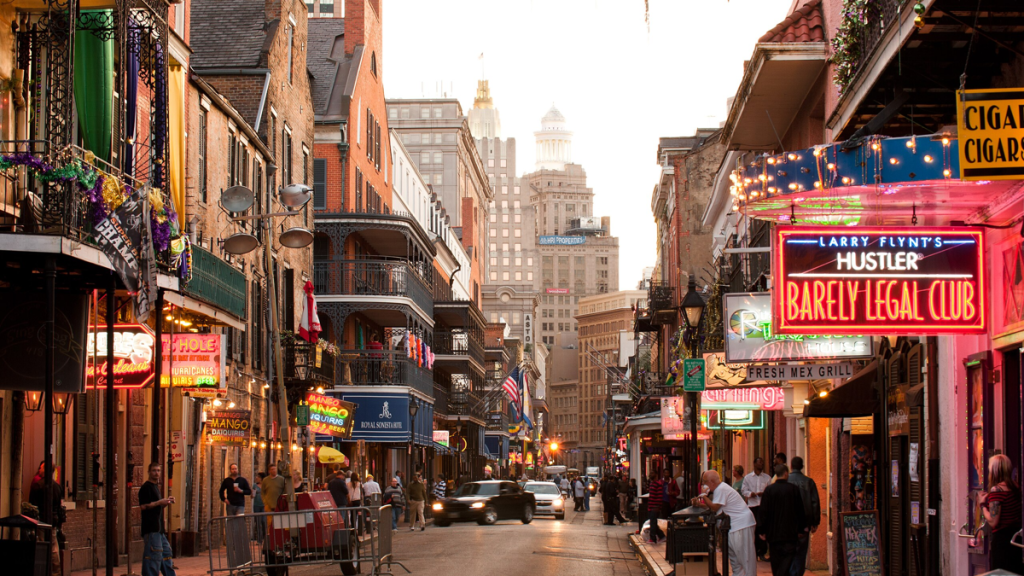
[[879, 281]]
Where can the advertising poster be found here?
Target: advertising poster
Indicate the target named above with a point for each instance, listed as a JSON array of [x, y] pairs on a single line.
[[228, 427]]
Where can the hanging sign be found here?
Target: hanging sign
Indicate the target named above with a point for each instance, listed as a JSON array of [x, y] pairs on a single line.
[[228, 427], [134, 347], [990, 130], [330, 415], [23, 341], [693, 375], [442, 437], [878, 280], [195, 362], [787, 372], [749, 336]]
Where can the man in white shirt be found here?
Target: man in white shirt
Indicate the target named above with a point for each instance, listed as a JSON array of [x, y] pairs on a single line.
[[742, 523], [753, 487], [370, 487]]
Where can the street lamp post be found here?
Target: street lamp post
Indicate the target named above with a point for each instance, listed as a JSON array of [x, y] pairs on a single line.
[[293, 197], [413, 409], [692, 307]]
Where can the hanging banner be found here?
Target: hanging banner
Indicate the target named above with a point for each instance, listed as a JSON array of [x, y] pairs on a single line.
[[228, 427], [194, 362], [330, 416], [123, 236], [749, 336], [134, 348], [990, 130], [878, 280]]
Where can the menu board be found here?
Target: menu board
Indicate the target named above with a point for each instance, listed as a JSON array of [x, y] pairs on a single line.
[[861, 544]]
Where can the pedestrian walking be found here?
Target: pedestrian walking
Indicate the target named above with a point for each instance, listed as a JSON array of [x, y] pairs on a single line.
[[812, 511], [610, 500], [1001, 507], [586, 495], [622, 487], [339, 491], [272, 487], [563, 485], [257, 507], [655, 502], [370, 487], [401, 478], [395, 496], [782, 523], [156, 557], [578, 489], [780, 458], [672, 491], [753, 487], [417, 495], [233, 491], [440, 487], [721, 497], [737, 480]]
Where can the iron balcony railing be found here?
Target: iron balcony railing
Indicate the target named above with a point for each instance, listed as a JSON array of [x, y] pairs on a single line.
[[458, 343], [373, 278], [304, 363], [660, 297], [216, 282], [382, 368], [883, 15], [464, 403], [440, 398]]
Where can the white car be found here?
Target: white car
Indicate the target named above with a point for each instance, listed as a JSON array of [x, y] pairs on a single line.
[[549, 498]]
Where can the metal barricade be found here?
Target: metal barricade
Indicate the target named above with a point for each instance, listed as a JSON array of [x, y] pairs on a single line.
[[355, 538]]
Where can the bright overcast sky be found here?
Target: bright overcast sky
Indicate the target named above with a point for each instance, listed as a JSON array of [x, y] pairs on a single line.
[[619, 85]]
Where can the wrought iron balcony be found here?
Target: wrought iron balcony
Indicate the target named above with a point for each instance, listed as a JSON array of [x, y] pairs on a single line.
[[386, 278], [458, 343], [381, 368], [216, 282], [464, 403], [498, 421], [304, 363], [661, 304]]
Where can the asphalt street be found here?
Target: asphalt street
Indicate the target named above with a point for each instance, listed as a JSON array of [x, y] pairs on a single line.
[[578, 545]]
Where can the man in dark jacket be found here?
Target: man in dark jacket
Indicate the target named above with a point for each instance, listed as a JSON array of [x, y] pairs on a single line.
[[782, 522], [339, 490], [812, 511], [233, 491]]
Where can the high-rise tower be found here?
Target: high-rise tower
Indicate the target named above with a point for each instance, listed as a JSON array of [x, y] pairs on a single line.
[[554, 141]]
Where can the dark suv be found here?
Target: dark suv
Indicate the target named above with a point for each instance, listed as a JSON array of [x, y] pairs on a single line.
[[486, 502]]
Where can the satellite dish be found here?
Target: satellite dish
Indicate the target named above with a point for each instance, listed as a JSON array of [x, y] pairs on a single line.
[[296, 238], [237, 199], [240, 243], [295, 196]]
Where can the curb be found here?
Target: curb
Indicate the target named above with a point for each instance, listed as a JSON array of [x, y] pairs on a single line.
[[650, 566]]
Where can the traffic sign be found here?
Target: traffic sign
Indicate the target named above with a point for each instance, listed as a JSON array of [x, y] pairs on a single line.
[[693, 375]]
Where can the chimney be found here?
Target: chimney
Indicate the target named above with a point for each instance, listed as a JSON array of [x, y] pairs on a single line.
[[360, 16]]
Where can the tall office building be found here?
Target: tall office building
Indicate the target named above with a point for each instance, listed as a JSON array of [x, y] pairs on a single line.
[[578, 256], [509, 291]]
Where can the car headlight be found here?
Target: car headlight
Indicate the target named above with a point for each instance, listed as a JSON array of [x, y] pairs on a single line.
[[477, 505], [557, 502], [437, 506]]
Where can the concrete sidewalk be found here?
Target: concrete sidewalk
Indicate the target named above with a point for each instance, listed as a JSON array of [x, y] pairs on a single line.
[[652, 557]]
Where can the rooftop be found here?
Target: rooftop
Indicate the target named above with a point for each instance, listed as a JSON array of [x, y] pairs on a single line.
[[805, 24], [227, 33]]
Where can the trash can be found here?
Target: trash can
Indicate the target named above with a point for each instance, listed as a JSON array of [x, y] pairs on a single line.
[[29, 555], [689, 532]]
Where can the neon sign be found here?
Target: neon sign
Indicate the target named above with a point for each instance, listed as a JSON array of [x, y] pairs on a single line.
[[228, 427], [195, 362], [760, 398], [134, 348], [330, 415], [878, 281]]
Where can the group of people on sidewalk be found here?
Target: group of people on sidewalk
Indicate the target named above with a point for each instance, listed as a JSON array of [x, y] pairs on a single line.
[[771, 518]]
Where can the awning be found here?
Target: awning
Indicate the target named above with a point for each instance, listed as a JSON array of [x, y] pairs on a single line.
[[857, 397], [441, 449]]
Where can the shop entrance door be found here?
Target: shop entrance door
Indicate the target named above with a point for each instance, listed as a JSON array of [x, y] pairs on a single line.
[[979, 445]]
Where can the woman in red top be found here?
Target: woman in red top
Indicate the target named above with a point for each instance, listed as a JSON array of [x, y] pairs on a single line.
[[1001, 507]]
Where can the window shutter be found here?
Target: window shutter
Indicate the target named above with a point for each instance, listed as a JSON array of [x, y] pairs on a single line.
[[84, 434], [319, 183]]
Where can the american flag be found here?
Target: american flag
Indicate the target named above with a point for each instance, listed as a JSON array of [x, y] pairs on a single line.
[[511, 386]]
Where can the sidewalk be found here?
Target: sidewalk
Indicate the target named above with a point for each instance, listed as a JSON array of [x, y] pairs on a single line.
[[652, 557]]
